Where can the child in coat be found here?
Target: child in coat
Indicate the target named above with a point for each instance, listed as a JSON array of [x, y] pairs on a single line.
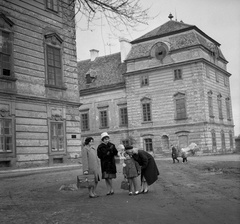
[[131, 170]]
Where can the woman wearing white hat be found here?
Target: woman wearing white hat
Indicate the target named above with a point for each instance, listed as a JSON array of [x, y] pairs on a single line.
[[106, 152]]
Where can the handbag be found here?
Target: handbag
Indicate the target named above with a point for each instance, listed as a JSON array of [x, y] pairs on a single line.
[[85, 181], [125, 185]]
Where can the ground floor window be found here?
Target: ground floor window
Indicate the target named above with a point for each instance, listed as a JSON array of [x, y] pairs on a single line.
[[148, 144], [6, 136], [57, 136]]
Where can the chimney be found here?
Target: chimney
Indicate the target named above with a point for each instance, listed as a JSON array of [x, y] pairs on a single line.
[[125, 47], [93, 54]]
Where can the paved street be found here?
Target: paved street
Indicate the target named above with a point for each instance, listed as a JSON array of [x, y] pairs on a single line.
[[206, 190]]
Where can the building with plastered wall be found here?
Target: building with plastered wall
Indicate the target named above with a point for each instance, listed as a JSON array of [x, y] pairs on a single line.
[[39, 93], [174, 89]]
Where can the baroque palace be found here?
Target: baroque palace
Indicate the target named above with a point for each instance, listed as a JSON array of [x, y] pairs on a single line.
[[169, 86], [39, 94]]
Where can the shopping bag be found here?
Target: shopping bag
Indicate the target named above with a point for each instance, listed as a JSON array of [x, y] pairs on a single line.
[[125, 185], [85, 181]]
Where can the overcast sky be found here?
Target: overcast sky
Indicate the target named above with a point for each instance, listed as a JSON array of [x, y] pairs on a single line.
[[219, 19]]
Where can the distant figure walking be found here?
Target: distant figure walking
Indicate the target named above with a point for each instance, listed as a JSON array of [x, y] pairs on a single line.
[[174, 154]]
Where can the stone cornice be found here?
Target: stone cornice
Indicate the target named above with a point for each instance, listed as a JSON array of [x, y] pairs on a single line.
[[33, 99], [177, 65], [102, 89]]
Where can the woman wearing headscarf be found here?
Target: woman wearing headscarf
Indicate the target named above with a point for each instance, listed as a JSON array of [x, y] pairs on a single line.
[[91, 164], [149, 170], [106, 152]]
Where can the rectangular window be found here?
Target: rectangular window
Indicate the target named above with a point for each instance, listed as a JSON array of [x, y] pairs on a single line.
[[220, 108], [144, 80], [225, 80], [57, 137], [217, 76], [123, 116], [5, 54], [85, 121], [146, 112], [181, 108], [52, 5], [103, 119], [6, 137], [214, 143], [210, 106], [207, 72], [228, 109], [177, 74], [231, 139], [223, 140], [148, 144], [54, 67]]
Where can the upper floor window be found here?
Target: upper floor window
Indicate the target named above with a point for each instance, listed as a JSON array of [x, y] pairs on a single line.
[[180, 106], [210, 104], [231, 139], [214, 143], [84, 120], [223, 139], [6, 45], [219, 100], [103, 118], [52, 5], [54, 60], [207, 71], [144, 80], [148, 144], [123, 115], [225, 79], [217, 76], [6, 135], [228, 108], [177, 74], [146, 109]]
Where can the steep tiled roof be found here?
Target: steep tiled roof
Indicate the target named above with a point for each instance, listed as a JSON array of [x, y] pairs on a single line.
[[105, 71], [163, 30]]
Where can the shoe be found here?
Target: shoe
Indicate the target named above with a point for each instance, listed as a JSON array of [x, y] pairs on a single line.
[[136, 193], [141, 192], [112, 192], [109, 193], [96, 196], [145, 191], [93, 196], [130, 193]]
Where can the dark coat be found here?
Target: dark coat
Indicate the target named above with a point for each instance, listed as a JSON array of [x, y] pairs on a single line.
[[132, 168], [148, 166], [174, 153], [106, 153]]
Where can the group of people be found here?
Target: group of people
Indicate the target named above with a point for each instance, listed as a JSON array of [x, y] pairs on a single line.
[[136, 162]]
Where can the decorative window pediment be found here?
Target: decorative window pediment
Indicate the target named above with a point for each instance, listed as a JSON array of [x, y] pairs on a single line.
[[179, 95], [53, 38], [219, 96], [5, 22], [210, 92], [145, 99]]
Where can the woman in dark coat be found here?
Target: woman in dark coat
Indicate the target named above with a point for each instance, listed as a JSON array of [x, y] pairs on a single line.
[[106, 152], [149, 170]]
